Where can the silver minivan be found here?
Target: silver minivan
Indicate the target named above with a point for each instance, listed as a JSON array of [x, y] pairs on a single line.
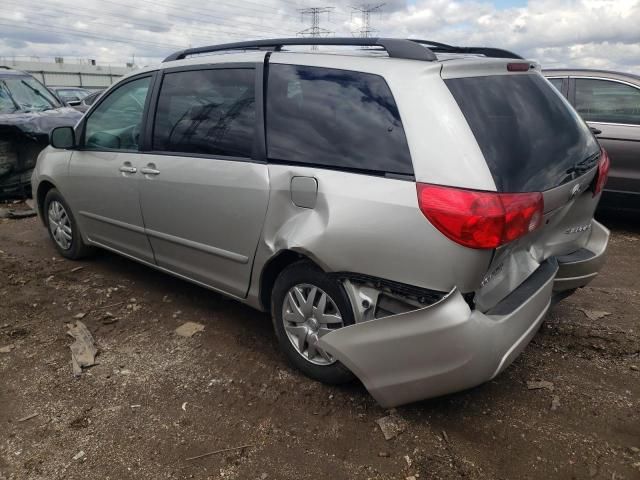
[[407, 212]]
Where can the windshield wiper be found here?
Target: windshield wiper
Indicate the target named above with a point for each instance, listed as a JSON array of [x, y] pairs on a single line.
[[39, 93], [6, 89]]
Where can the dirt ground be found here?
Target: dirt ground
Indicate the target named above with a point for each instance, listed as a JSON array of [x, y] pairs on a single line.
[[156, 399]]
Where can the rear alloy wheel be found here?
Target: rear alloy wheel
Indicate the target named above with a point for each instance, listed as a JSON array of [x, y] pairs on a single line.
[[307, 304], [308, 313]]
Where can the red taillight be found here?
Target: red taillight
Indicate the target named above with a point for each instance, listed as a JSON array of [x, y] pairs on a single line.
[[480, 219], [603, 172]]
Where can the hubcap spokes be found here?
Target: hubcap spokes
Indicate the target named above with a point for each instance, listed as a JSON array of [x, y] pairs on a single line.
[[60, 225], [309, 313]]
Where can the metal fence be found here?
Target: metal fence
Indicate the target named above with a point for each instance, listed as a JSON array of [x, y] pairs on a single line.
[[64, 73], [74, 79]]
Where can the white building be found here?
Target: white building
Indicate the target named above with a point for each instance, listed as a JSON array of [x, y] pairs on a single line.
[[61, 72]]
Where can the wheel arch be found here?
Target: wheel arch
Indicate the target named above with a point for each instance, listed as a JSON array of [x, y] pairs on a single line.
[[43, 188], [272, 269]]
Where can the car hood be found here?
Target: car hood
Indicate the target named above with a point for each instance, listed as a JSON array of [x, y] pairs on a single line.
[[40, 123]]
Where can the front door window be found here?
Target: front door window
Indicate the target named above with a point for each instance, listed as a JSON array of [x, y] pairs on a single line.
[[115, 123]]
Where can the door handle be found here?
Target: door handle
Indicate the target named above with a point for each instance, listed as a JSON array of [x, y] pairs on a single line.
[[128, 169], [150, 170], [595, 131]]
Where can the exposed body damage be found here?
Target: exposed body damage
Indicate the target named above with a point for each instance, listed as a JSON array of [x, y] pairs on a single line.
[[450, 346], [28, 112], [22, 138], [442, 331]]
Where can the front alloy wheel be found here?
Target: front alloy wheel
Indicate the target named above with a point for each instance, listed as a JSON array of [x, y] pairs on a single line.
[[60, 225]]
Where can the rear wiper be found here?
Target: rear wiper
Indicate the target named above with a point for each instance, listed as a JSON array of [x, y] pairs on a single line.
[[584, 165]]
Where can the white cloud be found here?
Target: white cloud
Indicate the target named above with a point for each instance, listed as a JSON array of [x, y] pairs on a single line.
[[586, 33]]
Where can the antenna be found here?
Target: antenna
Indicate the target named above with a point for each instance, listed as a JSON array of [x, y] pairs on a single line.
[[314, 30], [365, 9]]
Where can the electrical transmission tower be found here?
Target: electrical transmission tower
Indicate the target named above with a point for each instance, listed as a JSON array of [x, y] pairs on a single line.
[[314, 30], [365, 10]]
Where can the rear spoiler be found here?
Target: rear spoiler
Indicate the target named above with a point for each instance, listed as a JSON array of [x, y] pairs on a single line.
[[490, 66]]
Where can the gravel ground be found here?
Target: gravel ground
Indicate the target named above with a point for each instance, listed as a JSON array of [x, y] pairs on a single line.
[[155, 399]]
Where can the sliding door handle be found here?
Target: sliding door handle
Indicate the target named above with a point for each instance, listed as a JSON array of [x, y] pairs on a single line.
[[149, 171], [128, 169]]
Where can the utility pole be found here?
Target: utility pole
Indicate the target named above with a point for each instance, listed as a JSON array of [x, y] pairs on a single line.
[[314, 30], [365, 10]]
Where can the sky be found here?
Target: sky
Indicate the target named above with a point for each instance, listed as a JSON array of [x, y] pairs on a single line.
[[557, 33]]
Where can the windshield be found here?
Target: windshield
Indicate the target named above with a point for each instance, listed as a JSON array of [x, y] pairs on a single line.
[[530, 137], [25, 94], [72, 94]]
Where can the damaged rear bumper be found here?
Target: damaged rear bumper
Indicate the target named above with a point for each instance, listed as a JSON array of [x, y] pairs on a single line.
[[580, 267], [447, 346]]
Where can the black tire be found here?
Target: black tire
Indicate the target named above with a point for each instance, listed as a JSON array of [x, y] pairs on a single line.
[[305, 272], [77, 248]]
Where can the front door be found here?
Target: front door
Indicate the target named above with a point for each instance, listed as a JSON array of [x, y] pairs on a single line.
[[203, 194], [613, 108], [103, 172]]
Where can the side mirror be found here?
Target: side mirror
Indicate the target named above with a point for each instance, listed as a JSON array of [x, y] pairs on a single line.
[[62, 137]]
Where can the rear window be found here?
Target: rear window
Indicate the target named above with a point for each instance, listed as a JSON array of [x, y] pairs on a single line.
[[334, 118], [531, 139]]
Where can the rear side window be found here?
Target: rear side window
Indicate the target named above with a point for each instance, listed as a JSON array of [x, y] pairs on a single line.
[[334, 118], [530, 137], [605, 101], [206, 112]]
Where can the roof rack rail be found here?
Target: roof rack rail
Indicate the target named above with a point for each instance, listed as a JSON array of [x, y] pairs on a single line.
[[486, 51], [396, 48]]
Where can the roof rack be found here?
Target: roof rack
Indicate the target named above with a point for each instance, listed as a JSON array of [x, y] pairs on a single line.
[[396, 48], [411, 49], [486, 51]]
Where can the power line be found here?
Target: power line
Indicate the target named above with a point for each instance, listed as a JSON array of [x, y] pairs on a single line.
[[314, 30], [365, 10], [51, 29], [197, 31], [201, 17], [151, 27]]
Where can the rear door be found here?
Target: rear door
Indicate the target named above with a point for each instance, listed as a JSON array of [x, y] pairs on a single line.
[[205, 187], [613, 108]]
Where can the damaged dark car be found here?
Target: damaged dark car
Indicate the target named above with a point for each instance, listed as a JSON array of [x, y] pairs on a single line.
[[28, 112]]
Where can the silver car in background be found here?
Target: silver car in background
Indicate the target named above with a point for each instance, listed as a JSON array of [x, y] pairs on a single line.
[[406, 218]]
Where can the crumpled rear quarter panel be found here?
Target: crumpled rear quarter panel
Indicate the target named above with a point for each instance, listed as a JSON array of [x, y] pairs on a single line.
[[365, 224]]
